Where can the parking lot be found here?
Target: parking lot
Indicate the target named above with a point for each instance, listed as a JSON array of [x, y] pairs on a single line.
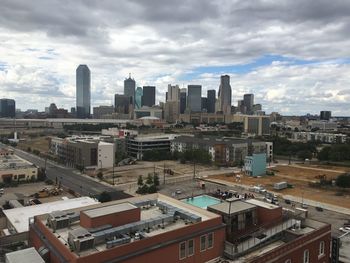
[[24, 192]]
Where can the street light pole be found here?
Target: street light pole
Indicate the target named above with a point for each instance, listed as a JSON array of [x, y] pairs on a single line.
[[113, 173]]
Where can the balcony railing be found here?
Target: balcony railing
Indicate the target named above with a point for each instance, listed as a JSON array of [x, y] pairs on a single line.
[[234, 250]]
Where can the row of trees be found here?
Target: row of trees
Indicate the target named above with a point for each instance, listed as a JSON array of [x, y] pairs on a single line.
[[335, 152], [282, 146], [191, 155]]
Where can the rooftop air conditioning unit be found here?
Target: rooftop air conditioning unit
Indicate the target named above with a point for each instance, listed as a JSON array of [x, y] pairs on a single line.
[[58, 220], [80, 239]]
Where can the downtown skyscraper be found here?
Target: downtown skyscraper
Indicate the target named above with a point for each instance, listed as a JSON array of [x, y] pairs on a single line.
[[149, 96], [194, 98], [83, 92], [129, 88], [225, 94]]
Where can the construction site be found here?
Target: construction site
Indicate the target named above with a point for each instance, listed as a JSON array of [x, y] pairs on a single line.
[[168, 169], [302, 181]]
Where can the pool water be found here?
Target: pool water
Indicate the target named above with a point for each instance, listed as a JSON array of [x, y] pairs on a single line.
[[202, 201]]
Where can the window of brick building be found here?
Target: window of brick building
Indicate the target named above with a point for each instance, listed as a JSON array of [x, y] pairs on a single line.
[[190, 247], [210, 240], [321, 249], [306, 256], [182, 252], [202, 242]]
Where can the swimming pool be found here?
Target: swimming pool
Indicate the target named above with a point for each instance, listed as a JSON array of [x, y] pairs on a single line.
[[202, 201]]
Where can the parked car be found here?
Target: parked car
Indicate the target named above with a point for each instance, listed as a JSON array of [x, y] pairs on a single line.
[[287, 201], [319, 209]]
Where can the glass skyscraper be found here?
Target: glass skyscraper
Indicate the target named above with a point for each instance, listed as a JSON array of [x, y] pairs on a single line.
[[83, 91], [225, 94], [129, 88], [149, 96], [138, 98], [194, 98], [7, 108], [211, 95]]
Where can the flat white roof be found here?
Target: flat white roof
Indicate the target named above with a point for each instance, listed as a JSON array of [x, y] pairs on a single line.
[[28, 255], [261, 203], [19, 217]]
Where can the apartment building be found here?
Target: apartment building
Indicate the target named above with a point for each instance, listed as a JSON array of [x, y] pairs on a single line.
[[13, 168], [223, 151], [82, 150], [319, 136]]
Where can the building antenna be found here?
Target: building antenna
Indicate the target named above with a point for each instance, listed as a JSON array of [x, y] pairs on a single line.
[[129, 75]]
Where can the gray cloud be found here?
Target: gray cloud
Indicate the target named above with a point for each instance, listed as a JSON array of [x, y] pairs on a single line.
[[159, 41]]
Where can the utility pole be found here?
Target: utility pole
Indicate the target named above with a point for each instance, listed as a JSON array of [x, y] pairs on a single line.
[[164, 174], [194, 169], [113, 173]]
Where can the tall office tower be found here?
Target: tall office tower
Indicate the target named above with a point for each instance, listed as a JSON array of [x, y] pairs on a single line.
[[173, 93], [149, 96], [225, 94], [211, 97], [83, 91], [122, 103], [194, 98], [248, 100], [7, 108], [183, 97], [129, 88], [325, 115], [138, 98], [204, 103]]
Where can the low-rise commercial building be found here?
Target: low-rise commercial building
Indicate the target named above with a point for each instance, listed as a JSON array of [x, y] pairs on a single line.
[[152, 228], [15, 169], [255, 164], [101, 111], [136, 146], [324, 125]]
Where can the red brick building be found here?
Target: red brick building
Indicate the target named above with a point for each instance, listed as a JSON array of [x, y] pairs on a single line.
[[259, 232], [152, 228]]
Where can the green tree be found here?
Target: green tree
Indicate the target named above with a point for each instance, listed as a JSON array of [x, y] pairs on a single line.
[[156, 180], [149, 179], [140, 181], [343, 181]]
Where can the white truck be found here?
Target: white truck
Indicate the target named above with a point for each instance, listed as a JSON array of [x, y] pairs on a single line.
[[280, 186]]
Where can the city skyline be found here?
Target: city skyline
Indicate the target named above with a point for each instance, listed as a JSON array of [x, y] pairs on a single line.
[[279, 51]]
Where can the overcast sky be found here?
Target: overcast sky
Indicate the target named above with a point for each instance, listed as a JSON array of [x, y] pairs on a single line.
[[293, 55]]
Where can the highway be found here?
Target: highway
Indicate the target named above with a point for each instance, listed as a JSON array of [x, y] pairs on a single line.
[[71, 178]]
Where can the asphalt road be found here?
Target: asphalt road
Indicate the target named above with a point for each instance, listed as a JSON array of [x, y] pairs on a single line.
[[71, 178]]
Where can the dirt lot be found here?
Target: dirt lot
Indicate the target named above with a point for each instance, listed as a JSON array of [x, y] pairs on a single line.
[[130, 173], [40, 143], [300, 177]]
